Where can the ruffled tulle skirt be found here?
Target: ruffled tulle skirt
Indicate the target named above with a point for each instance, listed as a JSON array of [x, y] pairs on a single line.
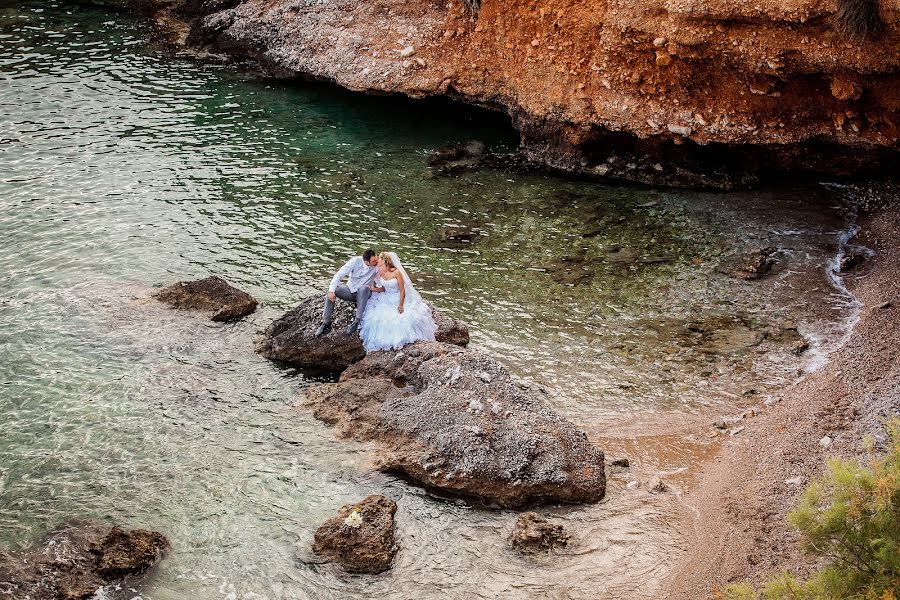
[[383, 328]]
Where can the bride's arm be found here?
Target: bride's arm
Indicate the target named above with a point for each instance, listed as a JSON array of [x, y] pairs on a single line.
[[402, 285], [375, 287]]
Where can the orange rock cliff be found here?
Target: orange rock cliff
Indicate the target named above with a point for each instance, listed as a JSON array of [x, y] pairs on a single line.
[[699, 93]]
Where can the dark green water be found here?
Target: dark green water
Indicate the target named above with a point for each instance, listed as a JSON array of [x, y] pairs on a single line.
[[122, 169]]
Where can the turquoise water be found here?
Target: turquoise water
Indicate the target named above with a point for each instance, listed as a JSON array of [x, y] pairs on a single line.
[[122, 169]]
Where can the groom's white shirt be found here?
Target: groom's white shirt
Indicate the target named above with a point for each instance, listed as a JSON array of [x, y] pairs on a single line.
[[357, 272]]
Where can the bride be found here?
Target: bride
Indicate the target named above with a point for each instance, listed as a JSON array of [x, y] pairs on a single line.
[[396, 315]]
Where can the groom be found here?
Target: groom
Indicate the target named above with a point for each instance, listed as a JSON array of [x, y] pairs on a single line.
[[360, 271]]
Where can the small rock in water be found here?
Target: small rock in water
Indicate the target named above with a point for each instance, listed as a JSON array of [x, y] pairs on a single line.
[[534, 533], [800, 347], [825, 441], [78, 559], [657, 486], [720, 424], [795, 481], [408, 51], [485, 377], [365, 544], [212, 294]]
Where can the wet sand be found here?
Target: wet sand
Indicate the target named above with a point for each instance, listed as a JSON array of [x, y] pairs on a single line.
[[740, 497]]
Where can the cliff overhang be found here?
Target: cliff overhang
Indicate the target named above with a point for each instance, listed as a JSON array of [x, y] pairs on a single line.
[[710, 94]]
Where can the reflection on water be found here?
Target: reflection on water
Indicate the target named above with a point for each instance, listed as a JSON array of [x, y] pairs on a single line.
[[121, 169]]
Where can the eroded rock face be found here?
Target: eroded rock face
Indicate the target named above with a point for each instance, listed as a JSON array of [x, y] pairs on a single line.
[[713, 94], [452, 419], [533, 533], [212, 294], [291, 338], [364, 543], [76, 559]]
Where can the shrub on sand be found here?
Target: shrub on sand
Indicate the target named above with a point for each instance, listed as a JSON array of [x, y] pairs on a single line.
[[850, 518]]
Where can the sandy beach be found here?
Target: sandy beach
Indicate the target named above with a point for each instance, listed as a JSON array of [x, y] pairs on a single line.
[[740, 498]]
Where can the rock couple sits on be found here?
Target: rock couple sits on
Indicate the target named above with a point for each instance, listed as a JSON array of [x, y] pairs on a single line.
[[390, 313]]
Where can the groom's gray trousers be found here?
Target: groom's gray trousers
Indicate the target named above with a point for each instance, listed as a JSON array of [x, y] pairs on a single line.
[[360, 298]]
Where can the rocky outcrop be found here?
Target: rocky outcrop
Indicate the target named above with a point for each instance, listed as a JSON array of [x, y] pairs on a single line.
[[452, 419], [212, 294], [715, 93], [533, 533], [78, 558], [361, 537], [291, 338]]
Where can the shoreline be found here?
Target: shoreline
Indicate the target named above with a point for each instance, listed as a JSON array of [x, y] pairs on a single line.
[[740, 496]]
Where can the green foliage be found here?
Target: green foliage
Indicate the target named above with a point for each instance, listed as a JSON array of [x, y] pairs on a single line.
[[851, 518], [857, 18]]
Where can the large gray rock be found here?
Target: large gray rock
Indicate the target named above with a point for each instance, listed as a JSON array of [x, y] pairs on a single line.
[[76, 559], [291, 338], [452, 419], [363, 545], [213, 295]]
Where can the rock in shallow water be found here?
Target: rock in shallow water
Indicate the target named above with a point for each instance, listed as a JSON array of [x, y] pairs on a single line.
[[361, 537], [76, 559], [212, 294], [533, 533], [291, 338], [506, 449]]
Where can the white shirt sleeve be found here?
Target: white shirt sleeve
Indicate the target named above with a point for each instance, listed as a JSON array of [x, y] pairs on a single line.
[[342, 272]]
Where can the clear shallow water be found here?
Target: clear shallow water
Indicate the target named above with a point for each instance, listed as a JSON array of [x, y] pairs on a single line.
[[122, 169]]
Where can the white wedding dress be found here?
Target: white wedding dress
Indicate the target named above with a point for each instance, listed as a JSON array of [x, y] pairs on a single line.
[[383, 328]]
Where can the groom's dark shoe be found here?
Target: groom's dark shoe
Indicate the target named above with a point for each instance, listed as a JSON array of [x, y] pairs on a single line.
[[352, 327], [323, 329]]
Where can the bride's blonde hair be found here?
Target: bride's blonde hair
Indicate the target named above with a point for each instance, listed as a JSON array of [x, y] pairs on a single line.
[[386, 257]]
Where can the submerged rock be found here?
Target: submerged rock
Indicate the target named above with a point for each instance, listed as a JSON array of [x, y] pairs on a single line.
[[78, 558], [457, 158], [437, 419], [533, 533], [361, 537], [291, 338], [751, 265], [459, 236], [212, 294]]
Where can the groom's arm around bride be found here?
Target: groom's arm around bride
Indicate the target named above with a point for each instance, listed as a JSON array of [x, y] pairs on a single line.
[[359, 271]]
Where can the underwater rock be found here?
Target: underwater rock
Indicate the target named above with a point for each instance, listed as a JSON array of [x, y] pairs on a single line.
[[533, 533], [570, 270], [291, 338], [459, 236], [457, 158], [436, 419], [78, 558], [212, 294], [361, 537], [752, 265]]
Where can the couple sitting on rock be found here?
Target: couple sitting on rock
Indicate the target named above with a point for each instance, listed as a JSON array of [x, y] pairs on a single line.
[[390, 313]]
